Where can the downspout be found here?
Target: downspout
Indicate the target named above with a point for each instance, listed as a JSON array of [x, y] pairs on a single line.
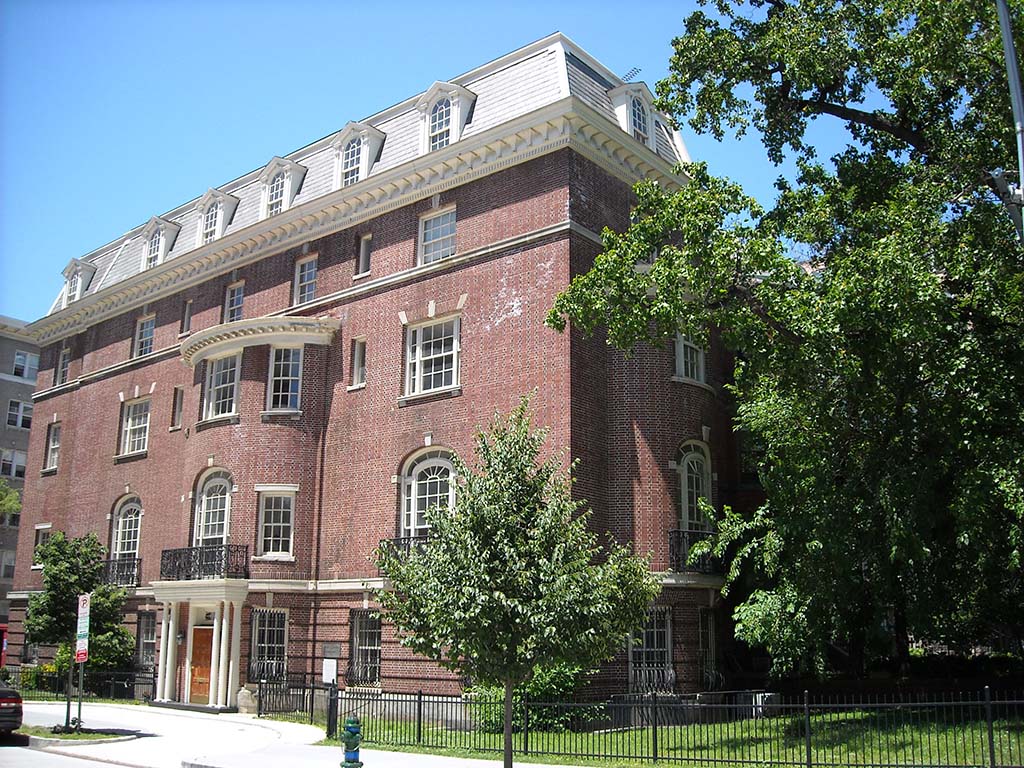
[[325, 415]]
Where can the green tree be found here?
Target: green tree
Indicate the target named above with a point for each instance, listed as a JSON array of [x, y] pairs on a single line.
[[884, 374], [73, 567], [511, 578], [10, 501]]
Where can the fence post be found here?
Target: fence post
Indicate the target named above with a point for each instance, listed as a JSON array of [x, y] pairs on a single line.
[[419, 716], [332, 710], [807, 726], [312, 699], [654, 726], [259, 697], [526, 724], [991, 734]]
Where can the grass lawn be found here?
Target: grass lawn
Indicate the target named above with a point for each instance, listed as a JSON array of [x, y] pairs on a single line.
[[46, 733]]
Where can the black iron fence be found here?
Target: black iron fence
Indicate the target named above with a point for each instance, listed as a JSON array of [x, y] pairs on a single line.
[[37, 684], [122, 571], [221, 561], [679, 544], [982, 729]]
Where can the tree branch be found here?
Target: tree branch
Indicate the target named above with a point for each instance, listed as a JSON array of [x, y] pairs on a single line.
[[869, 119]]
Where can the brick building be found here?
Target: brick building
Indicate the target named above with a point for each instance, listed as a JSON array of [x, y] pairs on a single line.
[[244, 395]]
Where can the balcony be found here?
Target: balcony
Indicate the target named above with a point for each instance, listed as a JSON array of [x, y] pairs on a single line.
[[679, 545], [122, 571], [221, 561]]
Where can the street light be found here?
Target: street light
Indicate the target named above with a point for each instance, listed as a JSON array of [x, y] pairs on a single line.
[[1012, 196]]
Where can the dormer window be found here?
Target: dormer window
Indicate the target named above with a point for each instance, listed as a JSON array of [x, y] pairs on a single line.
[[153, 249], [356, 147], [214, 211], [157, 240], [350, 162], [638, 115], [77, 275], [634, 113], [281, 181], [444, 111], [74, 286], [210, 222]]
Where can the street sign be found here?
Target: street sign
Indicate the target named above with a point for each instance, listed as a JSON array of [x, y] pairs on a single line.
[[82, 635]]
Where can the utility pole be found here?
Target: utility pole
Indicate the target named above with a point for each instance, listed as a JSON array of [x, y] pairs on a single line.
[[1012, 195]]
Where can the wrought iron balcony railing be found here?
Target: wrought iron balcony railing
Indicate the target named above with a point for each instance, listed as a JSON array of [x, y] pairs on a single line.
[[220, 561], [679, 544], [122, 571]]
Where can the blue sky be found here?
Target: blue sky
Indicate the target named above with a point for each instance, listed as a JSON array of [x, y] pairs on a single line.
[[114, 111]]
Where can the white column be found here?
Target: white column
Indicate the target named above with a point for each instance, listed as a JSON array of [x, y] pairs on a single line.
[[161, 668], [215, 655], [188, 655], [236, 646], [222, 682], [172, 653]]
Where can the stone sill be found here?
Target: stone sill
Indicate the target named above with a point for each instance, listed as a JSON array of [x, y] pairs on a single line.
[[432, 394]]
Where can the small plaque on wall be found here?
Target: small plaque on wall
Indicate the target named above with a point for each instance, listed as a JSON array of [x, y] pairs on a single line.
[[332, 650]]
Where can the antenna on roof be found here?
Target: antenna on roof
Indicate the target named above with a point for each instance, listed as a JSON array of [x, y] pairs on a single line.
[[628, 77]]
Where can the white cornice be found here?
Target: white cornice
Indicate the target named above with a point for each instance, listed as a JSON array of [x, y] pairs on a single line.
[[201, 590], [231, 337], [568, 123]]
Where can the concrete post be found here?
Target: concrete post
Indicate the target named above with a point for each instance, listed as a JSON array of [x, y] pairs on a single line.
[[161, 669], [214, 697], [222, 682], [236, 646], [172, 653]]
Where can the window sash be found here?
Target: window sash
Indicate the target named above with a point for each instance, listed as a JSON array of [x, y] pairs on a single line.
[[146, 639], [428, 483], [269, 637], [440, 124], [689, 359], [694, 475], [305, 280], [153, 249], [365, 250], [144, 332], [186, 317], [275, 195], [433, 357], [358, 362], [135, 428], [651, 646], [350, 162], [12, 463], [26, 364], [639, 121], [364, 660], [437, 237], [19, 414], [233, 298], [63, 365], [214, 504], [177, 406], [210, 219], [221, 387], [276, 515], [53, 447], [285, 379], [126, 532]]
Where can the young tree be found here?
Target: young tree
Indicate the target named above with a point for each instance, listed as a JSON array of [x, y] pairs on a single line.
[[511, 578], [73, 567], [10, 501], [884, 376]]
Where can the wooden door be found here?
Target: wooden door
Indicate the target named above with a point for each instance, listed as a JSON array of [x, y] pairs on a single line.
[[202, 646]]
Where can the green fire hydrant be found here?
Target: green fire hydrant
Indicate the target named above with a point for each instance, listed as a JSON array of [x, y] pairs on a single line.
[[352, 737]]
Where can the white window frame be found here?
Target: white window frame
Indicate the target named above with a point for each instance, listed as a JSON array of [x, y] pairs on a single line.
[[639, 120], [300, 286], [460, 104], [28, 362], [213, 479], [427, 222], [209, 223], [135, 420], [213, 369], [291, 175], [122, 533], [690, 518], [22, 412], [213, 211], [364, 255], [414, 357], [272, 377], [43, 531], [177, 407], [358, 363], [147, 325], [186, 318], [145, 639], [276, 188], [351, 166], [351, 161], [153, 249], [684, 347], [234, 300], [439, 124], [52, 445], [413, 522], [63, 366], [14, 459], [266, 493], [74, 288], [622, 98]]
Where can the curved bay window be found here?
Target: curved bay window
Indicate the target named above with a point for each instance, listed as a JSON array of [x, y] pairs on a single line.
[[427, 483]]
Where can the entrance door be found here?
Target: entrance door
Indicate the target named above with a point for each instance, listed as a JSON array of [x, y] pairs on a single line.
[[202, 646]]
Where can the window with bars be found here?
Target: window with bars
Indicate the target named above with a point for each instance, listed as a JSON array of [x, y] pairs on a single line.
[[305, 280], [276, 515], [145, 329], [221, 387], [432, 355], [428, 483], [52, 446], [358, 362], [275, 194], [26, 365], [12, 463], [127, 521], [135, 427], [233, 298], [285, 379], [19, 414], [350, 161], [638, 112], [437, 237], [210, 220], [145, 640], [63, 366], [689, 359], [650, 653], [364, 659], [153, 248], [268, 659], [440, 124]]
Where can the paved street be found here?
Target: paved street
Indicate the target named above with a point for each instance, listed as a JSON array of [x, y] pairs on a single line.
[[177, 739]]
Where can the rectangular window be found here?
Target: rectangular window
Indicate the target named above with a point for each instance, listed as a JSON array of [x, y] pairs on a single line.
[[43, 533], [145, 640], [285, 379], [437, 237], [177, 406], [364, 660], [144, 331], [186, 317], [305, 280], [53, 446], [689, 359], [358, 362], [432, 354], [233, 297], [650, 654], [276, 511], [267, 661], [12, 463], [135, 427], [221, 387], [63, 366], [365, 249], [26, 365], [7, 564], [12, 519], [19, 414]]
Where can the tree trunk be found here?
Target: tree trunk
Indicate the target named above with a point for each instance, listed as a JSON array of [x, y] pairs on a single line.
[[508, 724], [67, 712]]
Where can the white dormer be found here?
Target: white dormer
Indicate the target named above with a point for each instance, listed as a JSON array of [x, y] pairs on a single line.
[[77, 276], [215, 210], [356, 147], [281, 180], [444, 110], [635, 113], [158, 238]]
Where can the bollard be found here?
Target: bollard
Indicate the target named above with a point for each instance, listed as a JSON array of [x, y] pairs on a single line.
[[352, 737], [332, 710]]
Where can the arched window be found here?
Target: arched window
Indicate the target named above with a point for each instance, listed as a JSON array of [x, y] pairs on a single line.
[[275, 194], [213, 509], [695, 481], [127, 519], [153, 248], [210, 219], [350, 161], [440, 124], [639, 120], [427, 483]]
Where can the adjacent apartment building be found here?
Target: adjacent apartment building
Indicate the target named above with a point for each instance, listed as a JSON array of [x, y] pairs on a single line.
[[244, 395]]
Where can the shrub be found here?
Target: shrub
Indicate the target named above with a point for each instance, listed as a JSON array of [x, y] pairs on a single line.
[[551, 686]]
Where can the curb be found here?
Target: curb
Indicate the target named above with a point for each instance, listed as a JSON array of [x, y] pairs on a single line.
[[41, 742]]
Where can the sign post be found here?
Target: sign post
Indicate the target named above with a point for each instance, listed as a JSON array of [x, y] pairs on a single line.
[[82, 648]]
